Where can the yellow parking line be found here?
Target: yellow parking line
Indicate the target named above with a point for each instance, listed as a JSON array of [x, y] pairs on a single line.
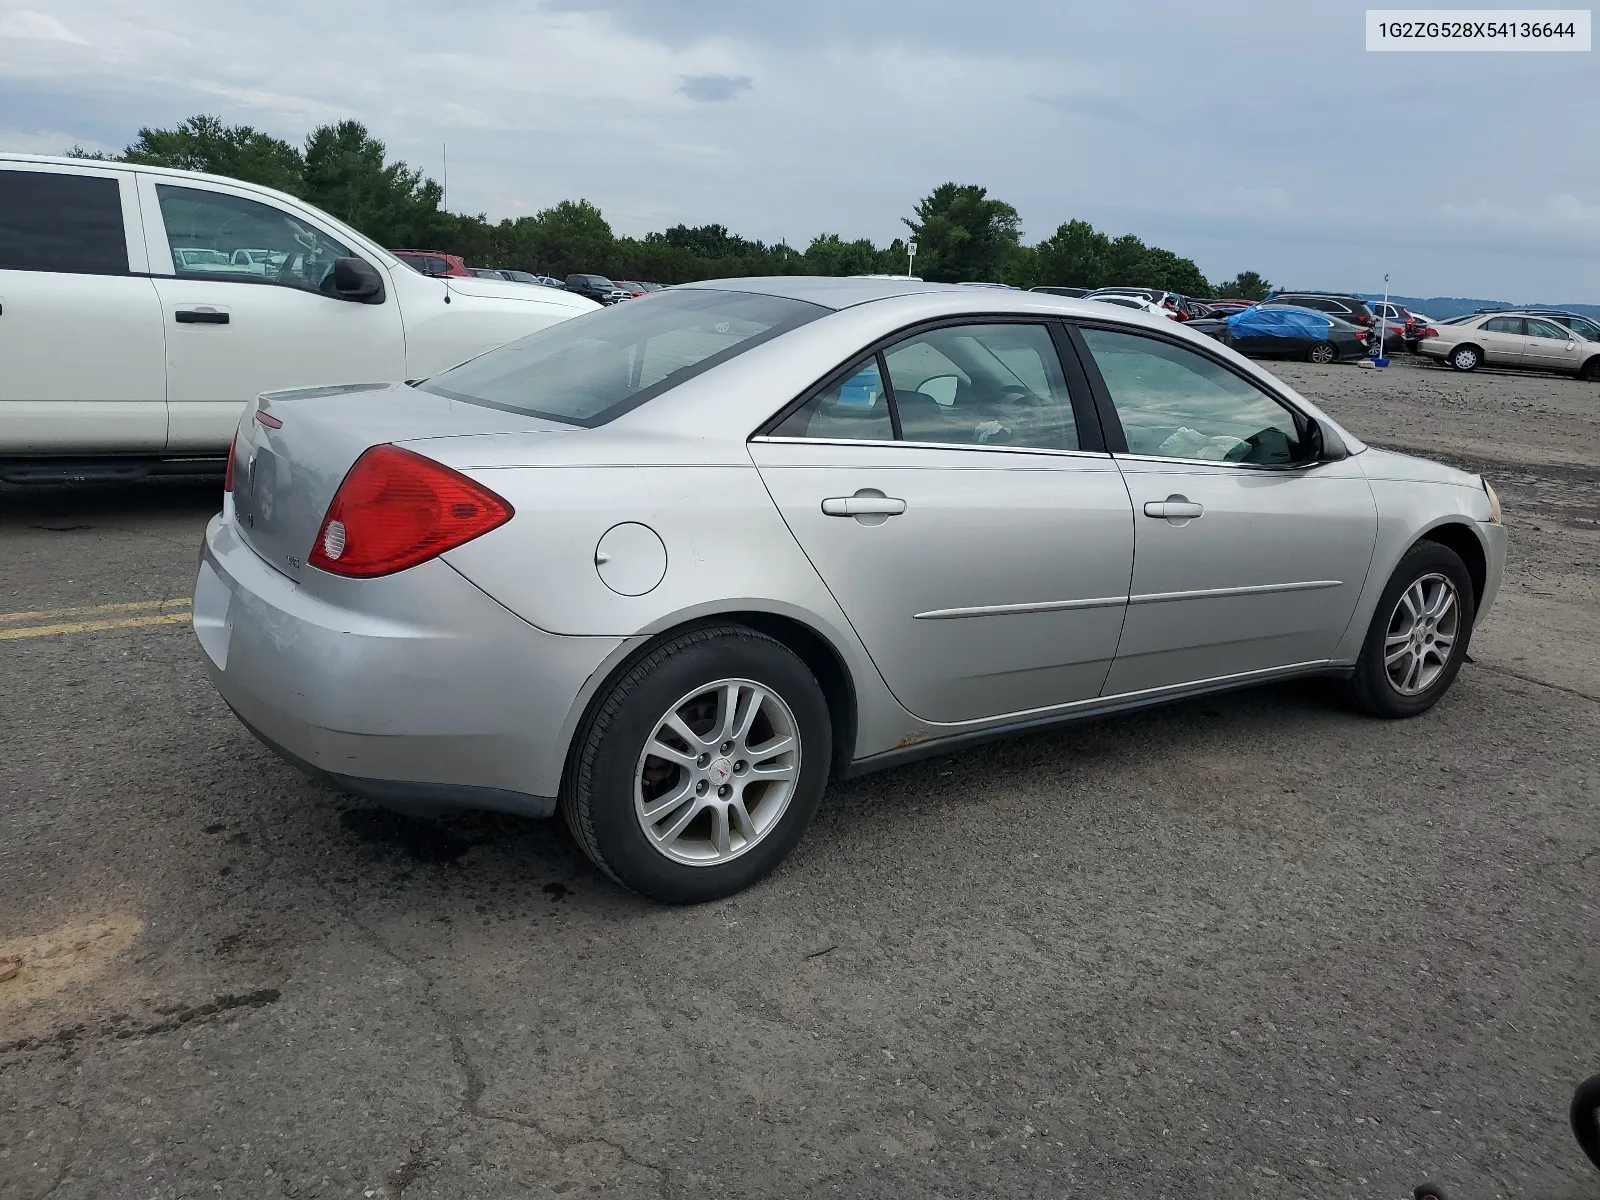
[[171, 618], [89, 610]]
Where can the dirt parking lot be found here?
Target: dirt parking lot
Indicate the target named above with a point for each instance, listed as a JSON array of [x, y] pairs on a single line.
[[1248, 946]]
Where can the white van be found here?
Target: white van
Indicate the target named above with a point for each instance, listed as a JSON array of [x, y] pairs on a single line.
[[141, 309]]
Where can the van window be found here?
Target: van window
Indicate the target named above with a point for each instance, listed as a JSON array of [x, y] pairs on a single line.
[[51, 221], [218, 236]]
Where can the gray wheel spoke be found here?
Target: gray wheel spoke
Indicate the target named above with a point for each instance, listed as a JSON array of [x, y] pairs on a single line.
[[690, 811], [767, 750], [680, 727], [660, 749], [781, 771], [656, 809], [751, 709], [1395, 655], [719, 829], [741, 819], [727, 714]]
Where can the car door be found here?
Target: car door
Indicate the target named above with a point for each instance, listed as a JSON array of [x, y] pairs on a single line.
[[964, 516], [1504, 341], [247, 305], [1550, 346], [1247, 558], [82, 365]]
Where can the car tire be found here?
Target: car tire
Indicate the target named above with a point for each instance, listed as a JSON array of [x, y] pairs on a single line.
[[1401, 671], [1465, 358], [1585, 1117], [737, 815], [1323, 353], [1590, 371]]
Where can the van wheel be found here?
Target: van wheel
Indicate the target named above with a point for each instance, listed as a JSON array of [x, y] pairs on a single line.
[[1466, 358], [700, 770], [1323, 353], [1418, 636]]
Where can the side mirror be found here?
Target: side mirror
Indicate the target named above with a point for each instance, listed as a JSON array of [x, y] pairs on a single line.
[[1322, 445], [358, 280]]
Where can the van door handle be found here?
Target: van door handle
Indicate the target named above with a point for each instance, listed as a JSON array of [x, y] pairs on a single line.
[[193, 316], [1174, 508], [863, 506]]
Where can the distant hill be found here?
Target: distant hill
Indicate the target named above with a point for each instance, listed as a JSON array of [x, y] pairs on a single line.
[[1444, 307]]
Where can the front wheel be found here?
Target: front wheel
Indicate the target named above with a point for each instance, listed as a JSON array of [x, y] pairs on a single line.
[[1323, 353], [700, 770], [1585, 1115], [1418, 636], [1466, 358]]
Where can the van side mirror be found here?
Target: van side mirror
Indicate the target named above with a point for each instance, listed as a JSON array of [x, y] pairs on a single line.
[[358, 280]]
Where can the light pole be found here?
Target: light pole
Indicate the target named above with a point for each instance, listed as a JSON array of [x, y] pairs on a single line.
[[911, 255]]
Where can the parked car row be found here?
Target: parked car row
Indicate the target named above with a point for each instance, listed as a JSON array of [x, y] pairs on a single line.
[[1539, 339], [595, 287]]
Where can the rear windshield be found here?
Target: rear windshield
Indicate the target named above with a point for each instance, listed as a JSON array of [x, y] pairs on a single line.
[[591, 369]]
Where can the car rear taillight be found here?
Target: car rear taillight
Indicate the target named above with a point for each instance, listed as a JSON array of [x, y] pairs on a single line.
[[1364, 319], [227, 475], [1361, 335], [396, 509], [1430, 331]]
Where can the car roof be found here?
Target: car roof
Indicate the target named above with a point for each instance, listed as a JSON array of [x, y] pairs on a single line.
[[841, 293]]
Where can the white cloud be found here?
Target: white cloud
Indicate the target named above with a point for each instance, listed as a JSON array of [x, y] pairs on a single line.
[[26, 25]]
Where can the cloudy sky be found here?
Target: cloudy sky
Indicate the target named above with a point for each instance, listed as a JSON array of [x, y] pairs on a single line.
[[1244, 133]]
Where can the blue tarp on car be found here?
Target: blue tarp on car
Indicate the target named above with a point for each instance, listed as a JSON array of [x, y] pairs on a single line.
[[1279, 320]]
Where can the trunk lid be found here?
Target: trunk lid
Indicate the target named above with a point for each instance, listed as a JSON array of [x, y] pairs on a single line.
[[285, 474]]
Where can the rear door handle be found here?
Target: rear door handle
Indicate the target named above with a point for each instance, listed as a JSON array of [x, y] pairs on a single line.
[[192, 316], [1173, 508], [863, 506]]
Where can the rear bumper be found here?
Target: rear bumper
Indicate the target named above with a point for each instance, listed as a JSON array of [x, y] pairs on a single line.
[[417, 689]]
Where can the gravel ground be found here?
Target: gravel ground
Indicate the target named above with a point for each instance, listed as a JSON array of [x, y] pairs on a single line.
[[1253, 945]]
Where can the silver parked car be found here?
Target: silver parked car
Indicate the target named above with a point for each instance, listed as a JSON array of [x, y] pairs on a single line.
[[670, 566], [1512, 340]]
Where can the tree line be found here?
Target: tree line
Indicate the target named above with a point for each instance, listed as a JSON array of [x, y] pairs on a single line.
[[962, 233]]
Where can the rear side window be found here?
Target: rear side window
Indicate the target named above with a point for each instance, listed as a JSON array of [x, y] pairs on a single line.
[[591, 369], [1503, 325], [56, 222]]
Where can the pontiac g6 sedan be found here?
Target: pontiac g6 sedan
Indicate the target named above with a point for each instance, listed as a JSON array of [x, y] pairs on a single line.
[[670, 565]]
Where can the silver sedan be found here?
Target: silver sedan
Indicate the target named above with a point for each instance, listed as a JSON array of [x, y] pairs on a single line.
[[672, 565]]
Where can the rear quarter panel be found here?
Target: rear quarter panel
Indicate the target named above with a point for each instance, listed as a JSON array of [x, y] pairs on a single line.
[[727, 551]]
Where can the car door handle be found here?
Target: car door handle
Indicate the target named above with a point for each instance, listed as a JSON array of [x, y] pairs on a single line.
[[192, 316], [863, 506], [1173, 508]]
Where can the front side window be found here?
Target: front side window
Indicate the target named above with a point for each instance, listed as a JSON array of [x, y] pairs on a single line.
[[985, 385], [51, 221], [1503, 325], [1174, 403], [591, 369], [1547, 329], [217, 236]]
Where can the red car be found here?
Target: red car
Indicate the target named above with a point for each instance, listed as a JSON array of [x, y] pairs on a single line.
[[633, 289], [433, 262]]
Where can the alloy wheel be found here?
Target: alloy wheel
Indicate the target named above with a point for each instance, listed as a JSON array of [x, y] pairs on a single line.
[[717, 772], [1421, 634]]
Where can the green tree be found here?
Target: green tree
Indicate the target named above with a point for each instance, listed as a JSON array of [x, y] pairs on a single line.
[[962, 234], [1164, 269], [1246, 285], [829, 254], [204, 143], [346, 175], [1075, 255]]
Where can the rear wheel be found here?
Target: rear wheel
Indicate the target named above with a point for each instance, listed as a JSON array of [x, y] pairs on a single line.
[[700, 770], [1590, 370], [1466, 358], [1323, 352], [1418, 636]]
